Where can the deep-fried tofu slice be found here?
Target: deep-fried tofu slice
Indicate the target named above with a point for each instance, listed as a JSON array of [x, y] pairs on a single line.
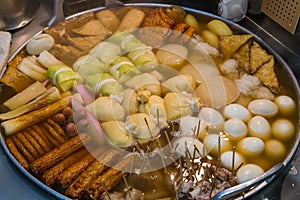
[[93, 27], [266, 75], [231, 43], [108, 19], [132, 20], [258, 56], [243, 56]]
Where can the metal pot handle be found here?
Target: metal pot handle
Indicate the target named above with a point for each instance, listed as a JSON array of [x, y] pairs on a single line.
[[246, 188], [58, 13]]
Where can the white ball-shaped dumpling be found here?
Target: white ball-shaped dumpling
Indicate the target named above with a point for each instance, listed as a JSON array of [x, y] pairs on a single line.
[[259, 127], [211, 143], [263, 107], [39, 43], [283, 129], [235, 129], [237, 111], [191, 145], [213, 118], [275, 150], [250, 147], [285, 104], [227, 158], [248, 172]]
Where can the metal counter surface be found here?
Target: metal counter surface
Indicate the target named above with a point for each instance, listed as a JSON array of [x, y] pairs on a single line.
[[14, 185]]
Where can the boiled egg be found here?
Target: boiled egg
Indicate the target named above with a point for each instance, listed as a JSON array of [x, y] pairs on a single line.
[[259, 127], [186, 146], [250, 147], [275, 150], [285, 104], [263, 107], [211, 143], [238, 111], [227, 160], [248, 172], [283, 129], [235, 129]]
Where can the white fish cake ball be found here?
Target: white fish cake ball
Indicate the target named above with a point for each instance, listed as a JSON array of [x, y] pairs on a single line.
[[227, 158], [248, 172], [275, 150], [184, 144], [283, 129], [211, 143], [40, 43], [238, 111], [259, 127], [286, 104], [235, 129], [263, 107], [250, 147]]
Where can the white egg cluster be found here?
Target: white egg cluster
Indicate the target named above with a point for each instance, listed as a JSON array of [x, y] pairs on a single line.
[[260, 133]]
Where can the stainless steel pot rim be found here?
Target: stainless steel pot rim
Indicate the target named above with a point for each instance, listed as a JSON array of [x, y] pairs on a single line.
[[255, 184]]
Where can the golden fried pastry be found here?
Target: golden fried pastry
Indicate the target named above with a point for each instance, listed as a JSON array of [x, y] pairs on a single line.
[[22, 149], [39, 139], [266, 75], [231, 43], [258, 56], [243, 56], [34, 143]]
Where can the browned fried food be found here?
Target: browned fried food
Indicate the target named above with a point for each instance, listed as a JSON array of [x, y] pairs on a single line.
[[34, 143], [22, 149], [95, 169], [56, 135], [109, 179], [28, 145], [47, 145], [266, 74], [59, 153], [243, 57], [157, 18], [258, 56], [181, 33], [57, 128], [73, 171], [51, 175], [49, 136], [157, 25], [229, 44], [16, 153]]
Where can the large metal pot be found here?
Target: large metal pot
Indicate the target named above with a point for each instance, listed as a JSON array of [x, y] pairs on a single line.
[[17, 13], [286, 78]]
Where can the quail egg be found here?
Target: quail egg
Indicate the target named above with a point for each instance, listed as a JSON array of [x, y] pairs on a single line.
[[235, 129], [227, 158], [237, 111], [263, 107], [211, 143], [285, 104], [275, 150], [248, 172], [250, 147], [283, 129], [184, 145], [259, 127], [213, 118]]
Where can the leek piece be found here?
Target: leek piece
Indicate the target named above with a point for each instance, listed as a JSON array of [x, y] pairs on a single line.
[[48, 97], [32, 70], [23, 97], [48, 60]]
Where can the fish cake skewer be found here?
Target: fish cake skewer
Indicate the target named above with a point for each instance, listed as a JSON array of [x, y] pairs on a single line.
[[59, 153], [96, 168], [72, 172], [19, 157], [22, 149], [34, 143], [51, 175], [39, 139]]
